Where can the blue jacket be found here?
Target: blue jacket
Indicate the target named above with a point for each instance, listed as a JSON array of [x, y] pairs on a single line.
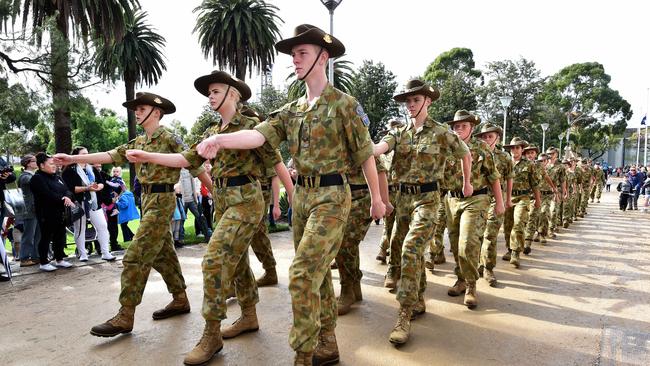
[[126, 206], [636, 181]]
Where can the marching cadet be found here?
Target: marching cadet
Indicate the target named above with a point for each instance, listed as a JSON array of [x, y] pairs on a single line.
[[530, 152], [327, 135], [239, 208], [599, 177], [437, 243], [468, 213], [393, 188], [587, 182], [525, 180], [568, 209], [491, 134], [421, 150], [557, 172], [153, 245], [548, 191]]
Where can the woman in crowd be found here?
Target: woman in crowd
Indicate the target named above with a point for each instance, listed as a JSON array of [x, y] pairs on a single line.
[[80, 180], [31, 231], [51, 196]]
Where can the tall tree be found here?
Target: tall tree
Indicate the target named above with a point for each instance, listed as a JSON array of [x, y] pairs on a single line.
[[239, 34], [72, 19], [592, 111], [521, 80], [374, 86], [453, 73], [343, 73], [19, 115]]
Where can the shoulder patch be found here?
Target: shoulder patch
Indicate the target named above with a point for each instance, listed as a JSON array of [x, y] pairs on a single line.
[[363, 115]]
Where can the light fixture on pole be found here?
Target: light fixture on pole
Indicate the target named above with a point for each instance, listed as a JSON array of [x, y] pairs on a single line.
[[505, 102], [331, 6], [560, 137], [544, 128]]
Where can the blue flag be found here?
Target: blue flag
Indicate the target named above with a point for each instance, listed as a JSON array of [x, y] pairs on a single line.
[[643, 120]]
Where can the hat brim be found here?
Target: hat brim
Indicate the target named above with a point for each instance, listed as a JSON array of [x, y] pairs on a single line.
[[531, 148], [469, 118], [165, 105], [424, 90], [202, 84], [497, 131], [335, 48], [524, 145]]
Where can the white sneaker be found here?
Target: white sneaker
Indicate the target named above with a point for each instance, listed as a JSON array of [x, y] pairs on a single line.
[[109, 257], [63, 264], [200, 235], [83, 258], [47, 267]]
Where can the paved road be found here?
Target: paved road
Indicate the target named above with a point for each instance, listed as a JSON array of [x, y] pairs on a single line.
[[582, 300]]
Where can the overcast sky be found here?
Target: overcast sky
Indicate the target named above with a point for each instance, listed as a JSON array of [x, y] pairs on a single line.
[[407, 35]]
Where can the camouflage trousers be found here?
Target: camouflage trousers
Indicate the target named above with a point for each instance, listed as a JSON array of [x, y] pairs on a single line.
[[319, 217], [238, 211], [568, 213], [489, 245], [597, 190], [545, 214], [389, 222], [533, 220], [584, 202], [356, 228], [577, 203], [414, 225], [514, 223], [437, 243], [152, 246], [555, 217], [466, 224], [261, 244]]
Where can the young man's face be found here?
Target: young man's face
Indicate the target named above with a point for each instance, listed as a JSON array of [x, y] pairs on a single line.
[[303, 56], [142, 111], [516, 151], [490, 138], [414, 104], [531, 155], [463, 130]]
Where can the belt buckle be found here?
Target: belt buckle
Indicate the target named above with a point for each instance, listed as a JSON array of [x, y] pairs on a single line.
[[309, 181]]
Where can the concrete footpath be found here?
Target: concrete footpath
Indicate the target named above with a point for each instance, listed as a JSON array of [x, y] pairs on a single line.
[[584, 299]]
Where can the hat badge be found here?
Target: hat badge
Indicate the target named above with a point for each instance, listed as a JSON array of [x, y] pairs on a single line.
[[157, 101], [327, 38]]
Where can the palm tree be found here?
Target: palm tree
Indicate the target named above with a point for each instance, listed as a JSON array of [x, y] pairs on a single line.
[[343, 73], [137, 58], [239, 34], [79, 18]]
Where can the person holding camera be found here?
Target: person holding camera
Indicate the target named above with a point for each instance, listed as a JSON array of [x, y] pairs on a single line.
[[51, 196], [7, 176]]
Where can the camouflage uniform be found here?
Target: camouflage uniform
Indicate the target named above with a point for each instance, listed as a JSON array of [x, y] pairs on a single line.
[[152, 245], [597, 188], [468, 215], [503, 163], [514, 223], [568, 205], [557, 173], [534, 212], [587, 179], [328, 137], [261, 244], [419, 159], [389, 220], [238, 210]]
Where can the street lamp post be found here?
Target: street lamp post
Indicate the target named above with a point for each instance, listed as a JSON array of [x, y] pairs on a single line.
[[544, 128], [331, 5], [505, 102]]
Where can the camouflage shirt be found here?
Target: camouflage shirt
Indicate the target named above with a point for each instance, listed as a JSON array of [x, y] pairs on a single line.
[[587, 174], [599, 175], [484, 169], [420, 156], [570, 181], [503, 162], [543, 184], [355, 175], [557, 173], [526, 177], [161, 141], [231, 162], [330, 135], [387, 162], [579, 175]]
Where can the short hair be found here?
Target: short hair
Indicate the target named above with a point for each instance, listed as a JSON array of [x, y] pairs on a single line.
[[77, 149], [41, 158]]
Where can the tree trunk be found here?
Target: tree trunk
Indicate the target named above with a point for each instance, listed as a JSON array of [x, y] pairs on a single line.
[[60, 93], [130, 95]]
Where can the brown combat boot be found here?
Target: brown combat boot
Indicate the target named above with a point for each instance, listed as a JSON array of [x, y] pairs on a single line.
[[178, 305], [247, 322], [514, 260], [458, 288], [381, 256], [346, 299], [565, 225], [490, 278], [471, 300], [356, 287], [303, 359], [542, 239], [391, 279], [327, 351], [439, 258], [480, 270], [269, 278], [418, 309], [506, 257], [400, 333], [527, 247], [120, 323], [429, 264], [209, 345]]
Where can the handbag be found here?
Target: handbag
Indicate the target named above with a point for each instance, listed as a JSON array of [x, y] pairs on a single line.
[[72, 214], [14, 199]]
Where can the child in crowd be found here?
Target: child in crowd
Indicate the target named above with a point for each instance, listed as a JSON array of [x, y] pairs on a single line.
[[608, 183], [626, 197]]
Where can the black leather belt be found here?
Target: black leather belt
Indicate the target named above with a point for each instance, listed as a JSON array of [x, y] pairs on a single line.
[[239, 180], [459, 194], [326, 180], [545, 193], [157, 188], [393, 188], [418, 188], [266, 187], [520, 192], [358, 187]]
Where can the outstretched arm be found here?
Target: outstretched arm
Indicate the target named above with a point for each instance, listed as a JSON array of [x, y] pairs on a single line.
[[95, 158], [240, 140], [171, 160]]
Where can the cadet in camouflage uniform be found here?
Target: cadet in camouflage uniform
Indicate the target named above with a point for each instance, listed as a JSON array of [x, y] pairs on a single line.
[[357, 226], [549, 192], [327, 135], [572, 188], [534, 207], [597, 189], [557, 172], [491, 134], [152, 245], [437, 243], [468, 214], [421, 150], [524, 181], [393, 188], [587, 182]]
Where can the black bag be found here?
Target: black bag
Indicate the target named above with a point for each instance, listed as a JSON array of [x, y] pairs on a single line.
[[72, 214]]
